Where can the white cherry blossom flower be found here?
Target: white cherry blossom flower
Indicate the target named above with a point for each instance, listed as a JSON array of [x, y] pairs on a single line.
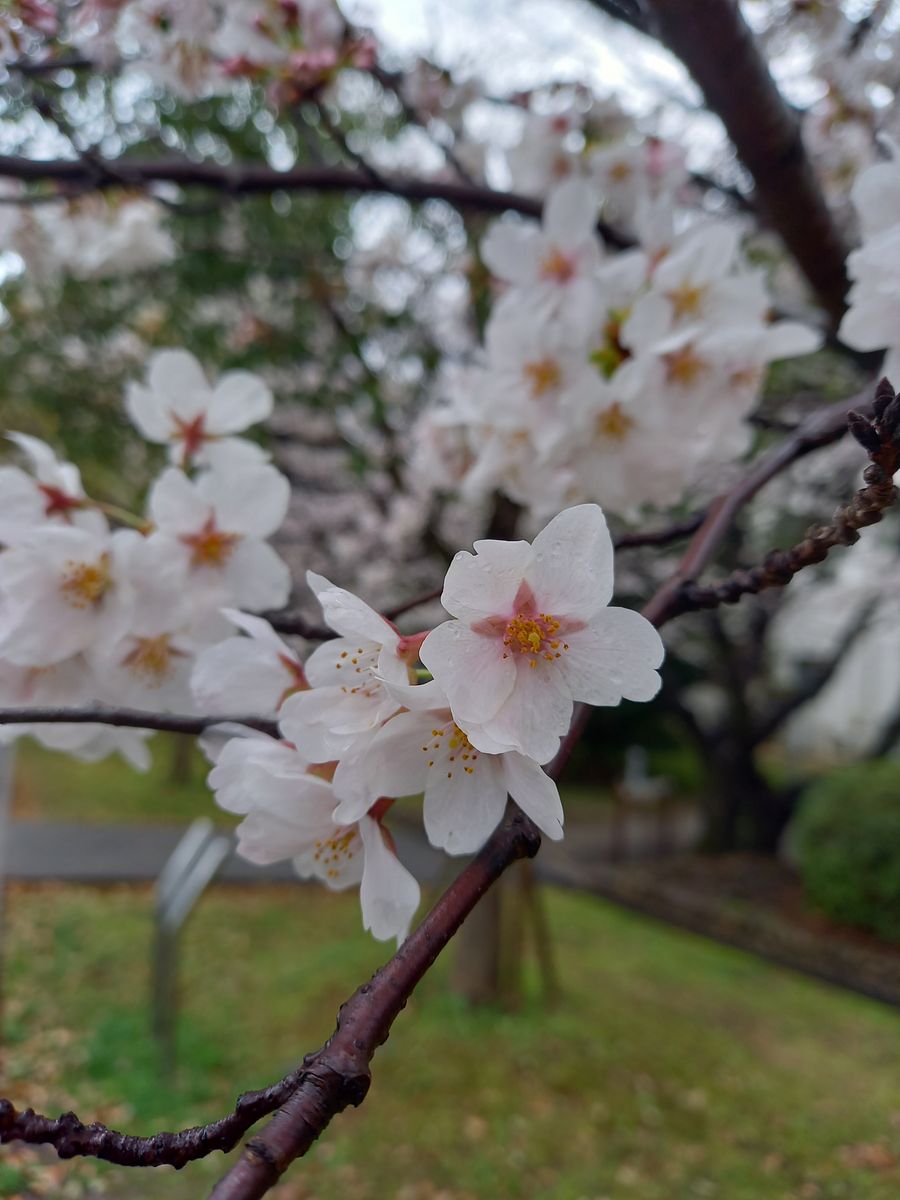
[[61, 590], [254, 674], [348, 696], [533, 634], [51, 492], [215, 526], [552, 267], [177, 407], [288, 814], [67, 684], [424, 750]]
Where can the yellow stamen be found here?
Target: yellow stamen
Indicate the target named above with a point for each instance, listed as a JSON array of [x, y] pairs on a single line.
[[85, 584]]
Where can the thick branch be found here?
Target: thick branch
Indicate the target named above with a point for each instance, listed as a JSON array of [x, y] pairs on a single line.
[[244, 179], [713, 41]]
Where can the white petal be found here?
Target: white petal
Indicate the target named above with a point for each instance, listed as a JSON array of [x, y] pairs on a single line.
[[463, 809], [392, 763], [348, 615], [147, 414], [572, 572], [178, 379], [257, 577], [485, 584], [239, 676], [570, 211], [470, 669], [614, 658], [252, 500], [174, 503], [240, 399], [388, 894], [535, 793], [535, 716]]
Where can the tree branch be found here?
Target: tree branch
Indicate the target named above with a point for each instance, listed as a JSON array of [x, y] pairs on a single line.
[[819, 429], [244, 179], [338, 1074], [713, 41], [132, 718]]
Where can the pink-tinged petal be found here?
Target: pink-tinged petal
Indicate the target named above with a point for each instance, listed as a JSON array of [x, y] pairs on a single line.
[[482, 585], [394, 762], [572, 572], [388, 894], [535, 793], [471, 670], [240, 399], [348, 615], [534, 717], [614, 658], [462, 809]]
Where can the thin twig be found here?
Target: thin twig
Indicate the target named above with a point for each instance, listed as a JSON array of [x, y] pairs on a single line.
[[132, 718]]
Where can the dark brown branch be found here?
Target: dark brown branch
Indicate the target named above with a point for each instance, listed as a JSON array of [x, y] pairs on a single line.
[[713, 41], [245, 179], [660, 537], [71, 1139], [131, 718], [882, 440]]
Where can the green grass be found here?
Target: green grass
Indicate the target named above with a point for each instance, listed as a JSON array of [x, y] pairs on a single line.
[[54, 787], [672, 1069]]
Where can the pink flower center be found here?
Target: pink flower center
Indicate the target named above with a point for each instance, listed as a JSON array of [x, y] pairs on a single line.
[[535, 636], [210, 546], [85, 584], [151, 659], [558, 267]]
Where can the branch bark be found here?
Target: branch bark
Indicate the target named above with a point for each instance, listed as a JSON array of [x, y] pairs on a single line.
[[132, 718], [715, 44], [246, 179]]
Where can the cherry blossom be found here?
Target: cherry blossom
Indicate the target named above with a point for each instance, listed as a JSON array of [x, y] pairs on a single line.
[[177, 407], [533, 634], [288, 814], [52, 493], [552, 267], [424, 750], [255, 673], [347, 676], [62, 589], [214, 527]]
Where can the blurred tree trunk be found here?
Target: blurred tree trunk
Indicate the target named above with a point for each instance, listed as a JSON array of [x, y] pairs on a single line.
[[488, 966]]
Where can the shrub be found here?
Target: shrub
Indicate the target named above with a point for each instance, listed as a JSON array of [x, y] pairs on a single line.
[[847, 841]]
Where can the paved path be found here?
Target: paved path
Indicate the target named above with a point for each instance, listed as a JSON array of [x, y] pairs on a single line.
[[103, 854]]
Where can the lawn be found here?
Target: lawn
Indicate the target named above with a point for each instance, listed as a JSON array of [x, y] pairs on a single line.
[[672, 1069]]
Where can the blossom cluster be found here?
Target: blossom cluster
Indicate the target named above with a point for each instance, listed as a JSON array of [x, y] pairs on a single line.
[[530, 635], [99, 606], [197, 48], [619, 378], [91, 237]]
